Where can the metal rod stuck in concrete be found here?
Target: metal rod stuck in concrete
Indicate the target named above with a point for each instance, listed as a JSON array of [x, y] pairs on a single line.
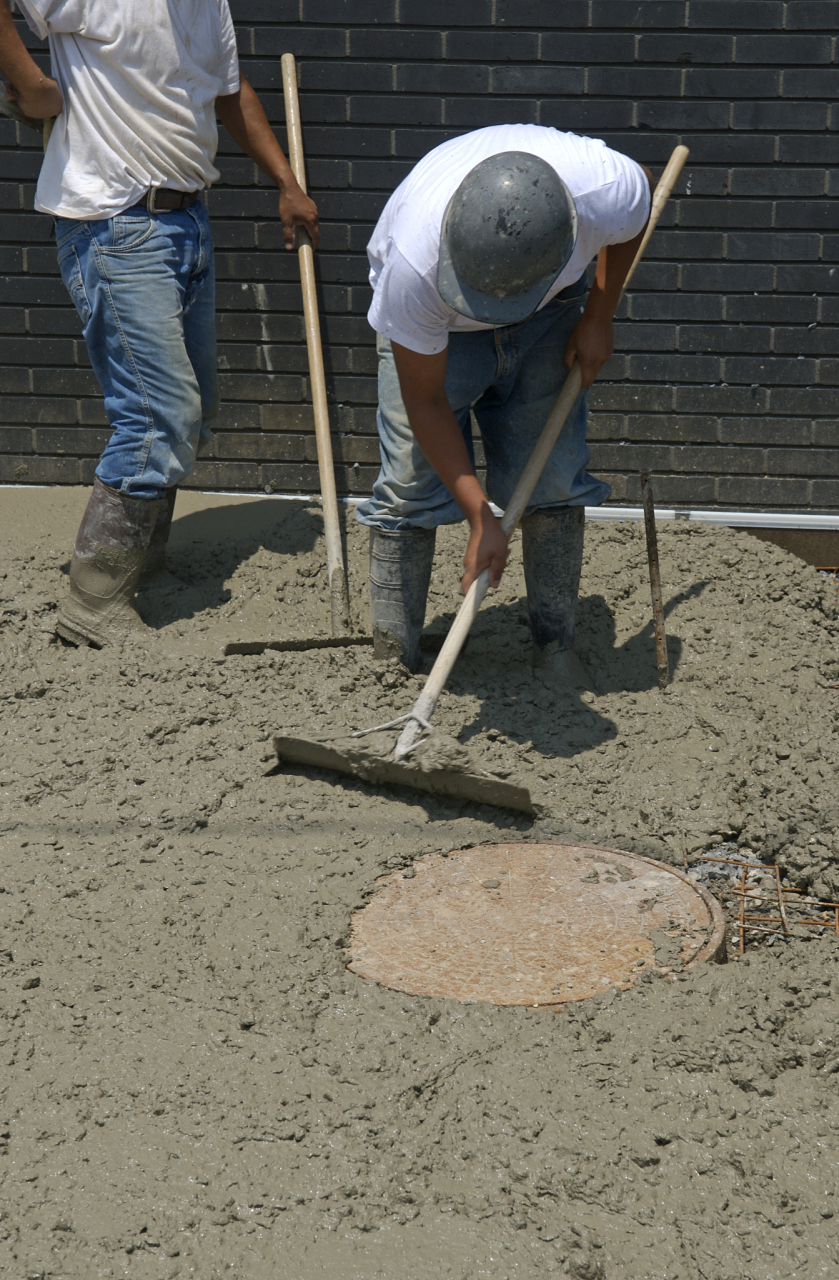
[[781, 897], [655, 582]]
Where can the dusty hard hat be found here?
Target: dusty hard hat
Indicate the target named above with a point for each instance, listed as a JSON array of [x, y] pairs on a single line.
[[508, 231]]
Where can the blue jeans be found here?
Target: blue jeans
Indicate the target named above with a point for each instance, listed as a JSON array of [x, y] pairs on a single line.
[[144, 286], [509, 378]]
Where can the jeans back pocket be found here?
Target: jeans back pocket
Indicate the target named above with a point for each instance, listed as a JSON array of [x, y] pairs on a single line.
[[65, 229]]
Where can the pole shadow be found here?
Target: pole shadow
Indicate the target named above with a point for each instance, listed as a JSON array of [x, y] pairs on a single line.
[[207, 547]]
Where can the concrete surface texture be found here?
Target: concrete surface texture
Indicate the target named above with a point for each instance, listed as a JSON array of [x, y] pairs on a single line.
[[192, 1082]]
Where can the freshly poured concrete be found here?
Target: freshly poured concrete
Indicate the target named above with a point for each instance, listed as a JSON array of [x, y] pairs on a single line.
[[192, 1083]]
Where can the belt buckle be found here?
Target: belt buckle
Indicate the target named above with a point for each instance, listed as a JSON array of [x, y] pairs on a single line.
[[151, 206]]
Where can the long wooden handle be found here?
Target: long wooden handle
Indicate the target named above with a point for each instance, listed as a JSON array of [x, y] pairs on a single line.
[[423, 708], [338, 594], [571, 387], [663, 190]]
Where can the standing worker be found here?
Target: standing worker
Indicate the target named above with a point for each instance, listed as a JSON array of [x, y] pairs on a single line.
[[136, 93], [478, 266]]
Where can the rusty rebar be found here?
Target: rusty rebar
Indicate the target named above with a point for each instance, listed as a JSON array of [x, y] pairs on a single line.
[[733, 862], [802, 902], [773, 933], [662, 661], [814, 924], [781, 897], [751, 896], [810, 902]]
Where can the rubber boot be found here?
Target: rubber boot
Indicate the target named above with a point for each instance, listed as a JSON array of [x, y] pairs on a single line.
[[154, 562], [552, 550], [400, 571], [110, 546]]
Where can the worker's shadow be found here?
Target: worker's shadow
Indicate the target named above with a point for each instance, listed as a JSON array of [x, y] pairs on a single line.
[[630, 667], [559, 721], [207, 547]]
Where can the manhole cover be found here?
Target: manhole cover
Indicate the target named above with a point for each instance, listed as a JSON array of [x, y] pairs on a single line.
[[532, 924]]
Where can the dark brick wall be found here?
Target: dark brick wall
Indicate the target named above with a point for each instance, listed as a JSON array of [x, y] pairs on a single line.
[[726, 375]]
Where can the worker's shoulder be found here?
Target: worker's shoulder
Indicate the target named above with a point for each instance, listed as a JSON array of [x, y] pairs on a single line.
[[565, 150]]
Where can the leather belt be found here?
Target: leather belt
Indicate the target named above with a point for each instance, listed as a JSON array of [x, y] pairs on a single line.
[[160, 199]]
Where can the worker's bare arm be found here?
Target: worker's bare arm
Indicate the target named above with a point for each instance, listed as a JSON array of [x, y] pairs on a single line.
[[242, 115], [422, 380], [37, 95], [592, 339]]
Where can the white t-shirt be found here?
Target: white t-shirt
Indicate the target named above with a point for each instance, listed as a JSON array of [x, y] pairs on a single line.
[[139, 80], [611, 193]]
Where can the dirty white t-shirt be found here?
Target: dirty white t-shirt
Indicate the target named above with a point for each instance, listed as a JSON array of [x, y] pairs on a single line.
[[611, 193], [139, 80]]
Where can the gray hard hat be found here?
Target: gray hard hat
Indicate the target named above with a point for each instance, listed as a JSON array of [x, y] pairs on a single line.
[[508, 231]]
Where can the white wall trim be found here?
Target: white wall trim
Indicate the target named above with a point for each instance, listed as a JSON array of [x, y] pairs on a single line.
[[737, 519]]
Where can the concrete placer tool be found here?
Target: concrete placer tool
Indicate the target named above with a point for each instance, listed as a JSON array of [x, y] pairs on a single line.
[[345, 755], [336, 570], [338, 593]]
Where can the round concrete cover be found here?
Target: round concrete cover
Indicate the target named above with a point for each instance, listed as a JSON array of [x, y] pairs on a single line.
[[532, 924]]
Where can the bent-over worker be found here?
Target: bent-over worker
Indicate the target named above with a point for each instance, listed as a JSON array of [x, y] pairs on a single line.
[[478, 267], [136, 92]]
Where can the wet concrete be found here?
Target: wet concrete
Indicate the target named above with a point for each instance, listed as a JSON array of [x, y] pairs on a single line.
[[192, 1082]]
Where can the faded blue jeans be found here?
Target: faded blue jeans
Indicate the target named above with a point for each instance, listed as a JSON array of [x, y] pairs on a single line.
[[509, 378], [144, 287]]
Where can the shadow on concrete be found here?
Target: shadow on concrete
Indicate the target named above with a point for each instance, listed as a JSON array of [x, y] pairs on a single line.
[[519, 704], [279, 526], [206, 547], [630, 667]]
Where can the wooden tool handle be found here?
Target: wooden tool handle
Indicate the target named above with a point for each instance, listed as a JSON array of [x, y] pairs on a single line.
[[661, 195], [424, 706], [339, 598], [571, 387], [535, 464], [292, 119]]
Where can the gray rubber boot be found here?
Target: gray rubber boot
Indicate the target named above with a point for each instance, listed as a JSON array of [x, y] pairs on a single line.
[[400, 571], [154, 562], [552, 550], [110, 547]]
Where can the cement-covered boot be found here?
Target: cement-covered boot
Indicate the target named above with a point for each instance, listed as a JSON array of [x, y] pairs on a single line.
[[400, 571], [154, 562], [552, 550], [110, 546]]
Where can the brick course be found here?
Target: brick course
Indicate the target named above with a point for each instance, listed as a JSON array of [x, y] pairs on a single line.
[[725, 379]]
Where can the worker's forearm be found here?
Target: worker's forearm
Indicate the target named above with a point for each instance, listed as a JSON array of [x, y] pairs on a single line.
[[612, 269], [613, 265], [16, 62], [439, 436], [244, 119], [37, 95]]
